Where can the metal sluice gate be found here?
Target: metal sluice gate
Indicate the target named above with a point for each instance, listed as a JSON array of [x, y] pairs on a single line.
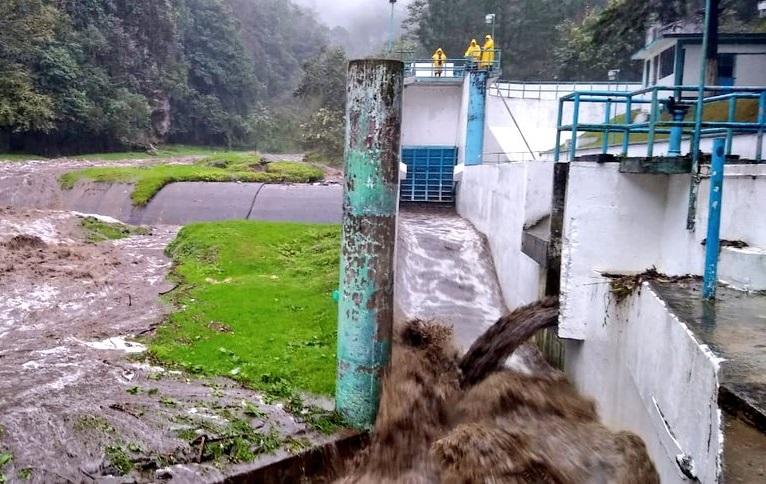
[[430, 174]]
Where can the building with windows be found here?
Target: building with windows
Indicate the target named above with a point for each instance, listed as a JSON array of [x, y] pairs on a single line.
[[673, 52]]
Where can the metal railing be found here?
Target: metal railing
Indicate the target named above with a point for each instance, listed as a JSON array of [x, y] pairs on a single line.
[[675, 124], [451, 69], [555, 89]]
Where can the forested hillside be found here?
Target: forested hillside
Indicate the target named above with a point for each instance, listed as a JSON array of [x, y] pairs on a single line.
[[86, 75], [560, 39]]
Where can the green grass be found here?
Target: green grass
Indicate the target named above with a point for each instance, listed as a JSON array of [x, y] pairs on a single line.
[[257, 306], [221, 167], [747, 111], [98, 230]]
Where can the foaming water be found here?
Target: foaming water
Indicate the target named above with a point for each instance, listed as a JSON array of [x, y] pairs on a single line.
[[458, 420]]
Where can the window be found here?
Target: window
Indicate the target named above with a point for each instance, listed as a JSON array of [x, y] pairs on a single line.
[[726, 64], [655, 69], [667, 61]]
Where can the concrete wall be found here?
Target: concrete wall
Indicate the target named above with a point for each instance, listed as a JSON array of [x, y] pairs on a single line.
[[628, 223], [649, 375], [749, 68], [430, 115], [500, 200]]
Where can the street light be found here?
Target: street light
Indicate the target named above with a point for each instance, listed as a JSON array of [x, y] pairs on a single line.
[[489, 19], [391, 28]]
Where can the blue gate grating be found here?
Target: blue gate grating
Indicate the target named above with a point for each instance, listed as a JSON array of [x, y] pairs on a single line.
[[430, 174]]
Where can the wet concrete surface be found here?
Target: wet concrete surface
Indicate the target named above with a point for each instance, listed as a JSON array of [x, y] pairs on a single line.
[[35, 185], [735, 329], [445, 273], [73, 380]]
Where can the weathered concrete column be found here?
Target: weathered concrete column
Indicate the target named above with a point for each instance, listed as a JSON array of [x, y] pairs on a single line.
[[370, 200], [477, 102]]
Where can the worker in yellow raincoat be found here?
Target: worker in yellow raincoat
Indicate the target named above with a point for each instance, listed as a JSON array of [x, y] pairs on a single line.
[[473, 54], [439, 58], [488, 53]]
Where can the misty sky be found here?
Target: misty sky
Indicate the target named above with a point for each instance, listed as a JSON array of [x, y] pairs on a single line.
[[346, 12]]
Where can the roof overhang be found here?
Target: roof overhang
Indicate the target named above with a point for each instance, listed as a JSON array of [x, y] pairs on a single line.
[[667, 40]]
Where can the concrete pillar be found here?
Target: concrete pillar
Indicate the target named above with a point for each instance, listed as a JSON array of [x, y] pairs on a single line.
[[477, 102], [370, 200]]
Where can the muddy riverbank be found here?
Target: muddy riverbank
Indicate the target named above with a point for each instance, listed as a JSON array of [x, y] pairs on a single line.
[[78, 400]]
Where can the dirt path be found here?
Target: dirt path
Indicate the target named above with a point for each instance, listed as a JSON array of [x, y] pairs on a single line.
[[78, 401]]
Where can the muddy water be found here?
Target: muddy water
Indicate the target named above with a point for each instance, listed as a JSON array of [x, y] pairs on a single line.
[[73, 382], [445, 273], [500, 426]]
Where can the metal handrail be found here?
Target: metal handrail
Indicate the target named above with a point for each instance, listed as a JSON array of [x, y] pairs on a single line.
[[536, 89], [453, 68], [656, 125]]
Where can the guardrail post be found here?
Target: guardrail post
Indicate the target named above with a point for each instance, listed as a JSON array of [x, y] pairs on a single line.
[[676, 131], [761, 121], [477, 99], [365, 313], [714, 219]]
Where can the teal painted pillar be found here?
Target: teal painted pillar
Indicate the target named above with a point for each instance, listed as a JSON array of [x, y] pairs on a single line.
[[370, 200], [477, 101]]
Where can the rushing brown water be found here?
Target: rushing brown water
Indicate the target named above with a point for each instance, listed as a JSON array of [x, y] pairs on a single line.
[[452, 420]]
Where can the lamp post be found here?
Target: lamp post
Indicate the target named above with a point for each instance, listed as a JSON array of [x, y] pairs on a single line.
[[391, 28], [489, 19]]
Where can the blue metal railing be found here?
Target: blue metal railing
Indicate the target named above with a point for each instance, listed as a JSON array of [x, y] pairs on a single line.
[[451, 69], [675, 124]]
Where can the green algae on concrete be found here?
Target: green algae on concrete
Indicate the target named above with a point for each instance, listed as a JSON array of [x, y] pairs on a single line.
[[365, 312]]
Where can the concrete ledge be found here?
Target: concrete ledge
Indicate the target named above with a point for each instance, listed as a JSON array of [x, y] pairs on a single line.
[[657, 165], [743, 268]]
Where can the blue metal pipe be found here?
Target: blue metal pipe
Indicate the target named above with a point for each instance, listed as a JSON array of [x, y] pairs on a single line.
[[575, 119], [477, 105], [714, 219], [676, 132], [652, 125], [607, 118], [761, 122], [731, 116], [560, 117], [365, 306], [626, 136]]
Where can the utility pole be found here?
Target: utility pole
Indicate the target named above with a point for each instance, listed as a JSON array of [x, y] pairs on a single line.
[[711, 47], [489, 19], [391, 28], [370, 201]]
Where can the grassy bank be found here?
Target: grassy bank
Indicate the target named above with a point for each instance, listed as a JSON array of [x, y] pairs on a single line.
[[222, 167], [255, 305]]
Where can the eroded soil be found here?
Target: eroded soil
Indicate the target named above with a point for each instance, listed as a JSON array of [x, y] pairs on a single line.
[[79, 401]]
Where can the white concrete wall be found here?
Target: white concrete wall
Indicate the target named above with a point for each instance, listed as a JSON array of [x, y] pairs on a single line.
[[749, 68], [628, 223], [649, 375], [500, 200], [462, 121], [537, 119], [430, 115]]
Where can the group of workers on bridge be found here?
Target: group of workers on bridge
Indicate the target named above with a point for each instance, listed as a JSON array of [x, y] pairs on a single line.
[[476, 57]]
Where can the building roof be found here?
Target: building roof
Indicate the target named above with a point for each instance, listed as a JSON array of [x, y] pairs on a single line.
[[668, 38]]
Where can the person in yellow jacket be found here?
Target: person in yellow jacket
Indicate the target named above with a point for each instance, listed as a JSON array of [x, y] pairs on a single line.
[[473, 54], [488, 53], [439, 58]]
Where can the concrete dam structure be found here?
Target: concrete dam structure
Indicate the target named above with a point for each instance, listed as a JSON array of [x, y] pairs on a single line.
[[618, 237]]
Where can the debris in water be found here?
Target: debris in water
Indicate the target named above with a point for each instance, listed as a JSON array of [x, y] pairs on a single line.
[[623, 285], [446, 419], [24, 241]]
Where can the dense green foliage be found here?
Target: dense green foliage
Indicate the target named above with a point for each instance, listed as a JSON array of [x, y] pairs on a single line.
[[560, 39], [98, 75]]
